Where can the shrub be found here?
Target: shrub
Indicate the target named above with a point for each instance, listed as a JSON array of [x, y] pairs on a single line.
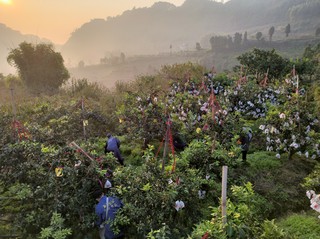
[[244, 215], [301, 226], [279, 181], [272, 231]]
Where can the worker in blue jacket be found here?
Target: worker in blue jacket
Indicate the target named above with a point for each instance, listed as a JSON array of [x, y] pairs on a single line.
[[113, 145], [106, 211]]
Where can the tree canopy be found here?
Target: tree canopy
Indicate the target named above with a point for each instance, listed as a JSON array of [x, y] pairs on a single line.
[[39, 66], [260, 62], [271, 32]]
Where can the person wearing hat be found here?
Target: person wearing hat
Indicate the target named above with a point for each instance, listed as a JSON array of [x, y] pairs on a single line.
[[113, 145], [106, 210]]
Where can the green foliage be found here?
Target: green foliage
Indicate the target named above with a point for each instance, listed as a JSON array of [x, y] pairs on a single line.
[[272, 231], [84, 88], [300, 226], [263, 160], [310, 59], [39, 66], [145, 121], [256, 204], [279, 181], [33, 167], [162, 233], [55, 230], [149, 185], [312, 181], [181, 72], [149, 198], [207, 156], [12, 81], [260, 62], [317, 98], [244, 215], [286, 133]]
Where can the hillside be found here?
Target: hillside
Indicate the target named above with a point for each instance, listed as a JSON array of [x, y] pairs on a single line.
[[178, 130], [153, 30], [165, 28], [135, 66]]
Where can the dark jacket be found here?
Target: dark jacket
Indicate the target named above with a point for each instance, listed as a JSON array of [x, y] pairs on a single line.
[[112, 144], [112, 205], [245, 142]]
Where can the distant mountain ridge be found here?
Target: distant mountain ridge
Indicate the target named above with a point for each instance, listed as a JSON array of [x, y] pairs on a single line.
[[155, 29], [165, 27]]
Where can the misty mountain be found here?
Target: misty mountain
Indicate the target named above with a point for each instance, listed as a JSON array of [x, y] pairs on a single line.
[[165, 27]]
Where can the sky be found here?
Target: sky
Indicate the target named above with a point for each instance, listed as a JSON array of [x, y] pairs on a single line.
[[57, 19]]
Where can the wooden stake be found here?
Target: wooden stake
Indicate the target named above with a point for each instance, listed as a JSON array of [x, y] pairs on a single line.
[[81, 150], [165, 147], [83, 123], [224, 194]]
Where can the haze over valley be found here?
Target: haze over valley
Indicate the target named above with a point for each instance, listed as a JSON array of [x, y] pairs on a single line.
[[141, 40]]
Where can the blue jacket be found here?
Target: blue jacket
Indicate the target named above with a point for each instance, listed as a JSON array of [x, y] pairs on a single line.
[[112, 144], [114, 204]]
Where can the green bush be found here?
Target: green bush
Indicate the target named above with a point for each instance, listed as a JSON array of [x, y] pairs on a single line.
[[263, 160], [149, 196], [301, 226], [245, 210], [56, 229], [138, 113], [272, 231], [279, 181]]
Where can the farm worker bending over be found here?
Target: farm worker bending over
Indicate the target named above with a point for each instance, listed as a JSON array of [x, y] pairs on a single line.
[[113, 145], [106, 210]]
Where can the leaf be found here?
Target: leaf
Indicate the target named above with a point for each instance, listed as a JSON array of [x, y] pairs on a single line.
[[146, 187]]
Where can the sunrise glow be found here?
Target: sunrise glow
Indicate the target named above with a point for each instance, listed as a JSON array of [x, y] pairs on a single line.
[[7, 2]]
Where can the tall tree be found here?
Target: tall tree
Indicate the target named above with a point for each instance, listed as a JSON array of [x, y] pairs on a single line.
[[287, 30], [218, 43], [271, 32], [122, 57], [237, 39], [259, 36], [245, 38], [198, 46], [39, 66]]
